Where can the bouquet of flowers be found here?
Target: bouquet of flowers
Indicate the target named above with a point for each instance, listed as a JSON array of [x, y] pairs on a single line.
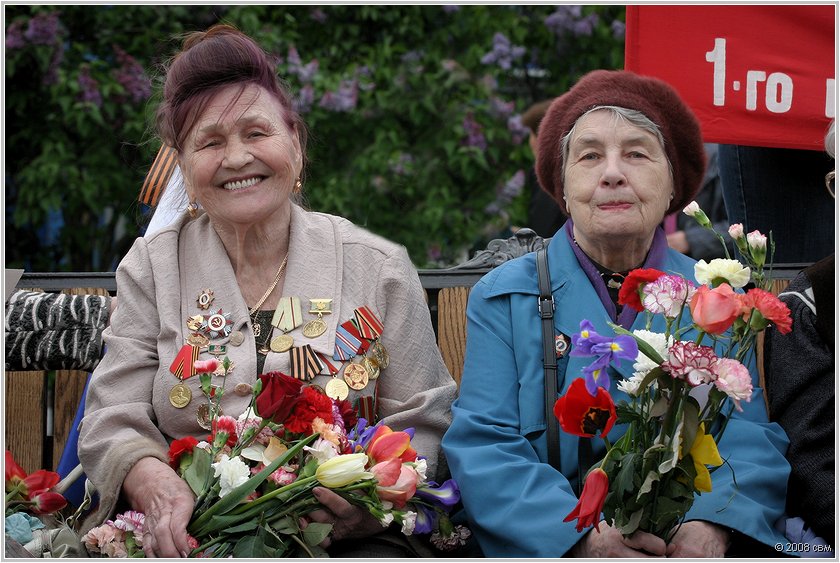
[[27, 496], [253, 476], [648, 479]]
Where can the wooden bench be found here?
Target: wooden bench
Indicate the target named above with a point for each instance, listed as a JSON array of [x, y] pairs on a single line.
[[40, 406]]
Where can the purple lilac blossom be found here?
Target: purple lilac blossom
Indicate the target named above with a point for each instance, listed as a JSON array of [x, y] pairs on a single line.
[[451, 9], [506, 194], [586, 25], [474, 133], [503, 52], [14, 36], [305, 73], [402, 164], [500, 108], [42, 29], [318, 15], [343, 99], [518, 131], [132, 77], [562, 19], [304, 99], [89, 87], [618, 29]]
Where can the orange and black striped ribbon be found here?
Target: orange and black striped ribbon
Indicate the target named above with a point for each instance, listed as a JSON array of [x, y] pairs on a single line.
[[183, 366], [304, 362], [158, 175]]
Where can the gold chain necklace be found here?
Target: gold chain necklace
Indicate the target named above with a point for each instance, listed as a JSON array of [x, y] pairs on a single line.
[[256, 307]]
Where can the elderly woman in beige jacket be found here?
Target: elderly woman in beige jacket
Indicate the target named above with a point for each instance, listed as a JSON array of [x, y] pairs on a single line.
[[243, 255]]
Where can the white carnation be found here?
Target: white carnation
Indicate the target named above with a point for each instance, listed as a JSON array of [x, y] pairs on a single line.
[[231, 473], [732, 271], [408, 522]]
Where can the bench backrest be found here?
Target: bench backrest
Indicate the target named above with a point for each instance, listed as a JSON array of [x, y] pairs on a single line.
[[40, 413]]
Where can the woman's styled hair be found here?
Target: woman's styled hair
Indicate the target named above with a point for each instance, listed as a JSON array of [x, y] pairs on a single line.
[[209, 61]]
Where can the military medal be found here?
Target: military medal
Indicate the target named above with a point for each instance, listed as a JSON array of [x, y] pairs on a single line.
[[217, 349], [183, 366], [194, 322], [304, 363], [198, 340], [337, 389], [561, 345], [237, 338], [372, 367], [220, 369], [205, 299], [217, 325], [282, 343], [202, 416], [180, 395], [369, 324], [348, 341], [317, 327], [356, 376], [380, 354]]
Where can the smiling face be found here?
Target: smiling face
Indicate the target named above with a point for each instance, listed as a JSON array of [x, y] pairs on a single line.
[[240, 160], [617, 182]]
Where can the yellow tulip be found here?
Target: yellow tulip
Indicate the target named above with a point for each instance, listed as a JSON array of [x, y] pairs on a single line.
[[704, 452], [342, 470]]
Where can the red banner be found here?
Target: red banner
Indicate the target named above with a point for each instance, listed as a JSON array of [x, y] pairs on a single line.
[[761, 75]]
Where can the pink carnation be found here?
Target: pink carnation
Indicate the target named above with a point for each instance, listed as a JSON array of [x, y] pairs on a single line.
[[691, 362], [734, 380], [205, 366], [667, 295], [283, 477]]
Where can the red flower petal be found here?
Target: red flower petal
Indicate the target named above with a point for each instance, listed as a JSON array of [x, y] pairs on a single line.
[[582, 414], [631, 287]]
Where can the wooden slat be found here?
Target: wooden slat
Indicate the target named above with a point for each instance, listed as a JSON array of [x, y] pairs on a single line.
[[452, 328], [69, 387], [26, 393]]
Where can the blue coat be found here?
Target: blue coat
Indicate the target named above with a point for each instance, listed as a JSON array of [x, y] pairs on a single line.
[[514, 500]]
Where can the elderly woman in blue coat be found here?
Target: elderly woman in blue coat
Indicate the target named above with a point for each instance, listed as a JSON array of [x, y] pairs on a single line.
[[618, 152]]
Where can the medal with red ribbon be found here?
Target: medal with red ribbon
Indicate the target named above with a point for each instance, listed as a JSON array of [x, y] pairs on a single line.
[[348, 341], [369, 325]]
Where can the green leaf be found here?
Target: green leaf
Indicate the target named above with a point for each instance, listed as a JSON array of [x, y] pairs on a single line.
[[196, 474], [316, 532], [632, 523], [624, 481], [651, 478]]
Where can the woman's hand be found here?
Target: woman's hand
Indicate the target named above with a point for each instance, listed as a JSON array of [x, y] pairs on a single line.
[[699, 539], [152, 487], [609, 542], [348, 520]]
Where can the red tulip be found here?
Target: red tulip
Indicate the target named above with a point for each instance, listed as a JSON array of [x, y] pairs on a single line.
[[582, 414], [591, 501], [278, 396], [714, 310], [14, 472], [385, 444], [47, 502]]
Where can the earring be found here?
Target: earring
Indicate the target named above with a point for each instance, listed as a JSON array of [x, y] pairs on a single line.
[[298, 186], [192, 209]]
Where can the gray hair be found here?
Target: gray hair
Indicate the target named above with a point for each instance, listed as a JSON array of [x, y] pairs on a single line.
[[631, 116]]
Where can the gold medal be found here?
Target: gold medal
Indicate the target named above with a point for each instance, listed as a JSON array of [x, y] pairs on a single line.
[[180, 396], [197, 339], [281, 343], [320, 306], [356, 376], [380, 354], [314, 328], [372, 367], [337, 389], [194, 322]]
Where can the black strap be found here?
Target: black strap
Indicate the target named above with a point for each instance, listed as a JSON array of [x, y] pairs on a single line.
[[546, 311]]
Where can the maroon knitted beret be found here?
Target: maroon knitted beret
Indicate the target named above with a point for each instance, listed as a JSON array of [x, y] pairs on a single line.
[[656, 99]]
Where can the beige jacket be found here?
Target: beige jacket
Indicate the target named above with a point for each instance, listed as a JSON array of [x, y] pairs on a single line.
[[129, 415]]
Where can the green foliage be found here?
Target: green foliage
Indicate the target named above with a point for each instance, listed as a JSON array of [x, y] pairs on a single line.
[[408, 113]]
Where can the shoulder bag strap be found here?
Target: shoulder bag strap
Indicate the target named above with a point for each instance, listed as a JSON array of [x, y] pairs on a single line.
[[546, 310]]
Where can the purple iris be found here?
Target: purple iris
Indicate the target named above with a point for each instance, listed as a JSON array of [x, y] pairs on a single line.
[[426, 521], [361, 434], [446, 495], [605, 350]]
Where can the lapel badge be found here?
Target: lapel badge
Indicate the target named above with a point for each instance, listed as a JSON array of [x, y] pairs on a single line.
[[205, 299], [561, 345]]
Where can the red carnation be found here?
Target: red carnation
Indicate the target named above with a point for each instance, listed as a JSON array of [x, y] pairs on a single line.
[[180, 447], [278, 396], [582, 414], [631, 287], [771, 308], [311, 405]]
